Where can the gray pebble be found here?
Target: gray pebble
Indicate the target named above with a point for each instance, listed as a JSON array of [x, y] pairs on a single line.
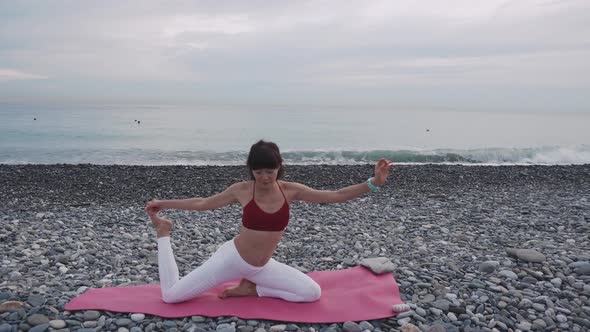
[[524, 326], [366, 326], [428, 298], [90, 324], [169, 324], [14, 275], [278, 328], [436, 311], [91, 315], [436, 328], [539, 324], [527, 255], [38, 319], [583, 270], [36, 300], [508, 274], [582, 322], [488, 266], [351, 327], [421, 312], [125, 322], [57, 324], [441, 304], [39, 328], [405, 314]]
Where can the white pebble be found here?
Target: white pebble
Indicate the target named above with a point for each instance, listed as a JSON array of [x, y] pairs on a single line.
[[57, 324], [401, 307], [137, 317]]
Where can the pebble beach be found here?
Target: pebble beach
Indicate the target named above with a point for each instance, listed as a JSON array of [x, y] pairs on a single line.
[[474, 248]]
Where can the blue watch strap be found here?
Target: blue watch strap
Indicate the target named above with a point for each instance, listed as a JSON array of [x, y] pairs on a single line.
[[371, 185]]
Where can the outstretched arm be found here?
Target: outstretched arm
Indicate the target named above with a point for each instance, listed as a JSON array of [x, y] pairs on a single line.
[[307, 194], [219, 200]]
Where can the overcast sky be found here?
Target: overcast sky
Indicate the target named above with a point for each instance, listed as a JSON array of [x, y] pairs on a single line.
[[504, 55]]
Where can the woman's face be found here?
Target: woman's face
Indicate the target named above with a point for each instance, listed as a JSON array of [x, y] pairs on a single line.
[[265, 176]]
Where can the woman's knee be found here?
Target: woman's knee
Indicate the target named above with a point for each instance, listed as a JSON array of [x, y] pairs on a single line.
[[176, 295], [312, 293], [170, 297]]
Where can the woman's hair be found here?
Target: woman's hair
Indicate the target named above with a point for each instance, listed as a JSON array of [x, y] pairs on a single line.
[[265, 155]]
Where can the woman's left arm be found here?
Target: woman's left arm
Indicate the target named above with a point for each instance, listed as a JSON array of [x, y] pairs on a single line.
[[307, 194]]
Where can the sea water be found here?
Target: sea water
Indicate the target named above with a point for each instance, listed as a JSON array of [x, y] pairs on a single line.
[[222, 135]]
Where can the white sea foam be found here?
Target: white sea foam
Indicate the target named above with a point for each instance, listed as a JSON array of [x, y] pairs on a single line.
[[489, 156]]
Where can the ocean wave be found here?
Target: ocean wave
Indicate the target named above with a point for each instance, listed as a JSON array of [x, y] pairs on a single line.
[[489, 156]]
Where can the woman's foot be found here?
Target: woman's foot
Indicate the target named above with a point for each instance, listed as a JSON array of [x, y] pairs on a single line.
[[245, 288], [161, 225]]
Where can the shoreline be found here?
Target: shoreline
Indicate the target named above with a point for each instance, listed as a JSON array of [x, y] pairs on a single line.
[[447, 229]]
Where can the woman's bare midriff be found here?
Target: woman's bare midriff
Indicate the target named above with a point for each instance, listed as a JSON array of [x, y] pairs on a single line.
[[257, 247]]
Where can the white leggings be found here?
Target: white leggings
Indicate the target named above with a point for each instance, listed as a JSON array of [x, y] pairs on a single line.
[[274, 279]]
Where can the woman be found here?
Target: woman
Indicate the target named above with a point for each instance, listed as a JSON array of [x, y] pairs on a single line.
[[248, 257]]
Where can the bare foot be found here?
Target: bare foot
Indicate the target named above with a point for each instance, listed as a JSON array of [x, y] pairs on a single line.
[[161, 225], [245, 288]]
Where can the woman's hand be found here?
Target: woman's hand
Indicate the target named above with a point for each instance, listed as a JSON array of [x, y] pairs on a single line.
[[382, 171], [153, 207]]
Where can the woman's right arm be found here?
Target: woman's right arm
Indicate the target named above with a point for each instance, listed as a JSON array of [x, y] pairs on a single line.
[[224, 198]]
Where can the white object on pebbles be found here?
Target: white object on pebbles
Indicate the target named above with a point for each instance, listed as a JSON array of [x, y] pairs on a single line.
[[378, 265], [137, 317], [400, 307]]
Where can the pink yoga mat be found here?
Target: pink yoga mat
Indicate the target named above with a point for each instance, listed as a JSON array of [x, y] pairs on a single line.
[[353, 294]]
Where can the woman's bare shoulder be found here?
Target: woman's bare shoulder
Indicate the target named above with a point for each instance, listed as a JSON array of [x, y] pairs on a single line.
[[289, 185], [242, 185]]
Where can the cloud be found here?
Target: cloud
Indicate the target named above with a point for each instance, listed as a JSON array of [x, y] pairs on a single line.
[[7, 74], [550, 68], [226, 47]]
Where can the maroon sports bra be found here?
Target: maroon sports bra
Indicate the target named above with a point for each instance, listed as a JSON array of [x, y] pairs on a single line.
[[253, 217]]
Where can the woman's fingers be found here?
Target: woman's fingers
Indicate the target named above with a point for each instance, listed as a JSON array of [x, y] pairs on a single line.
[[151, 208], [383, 166], [389, 164], [152, 211]]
